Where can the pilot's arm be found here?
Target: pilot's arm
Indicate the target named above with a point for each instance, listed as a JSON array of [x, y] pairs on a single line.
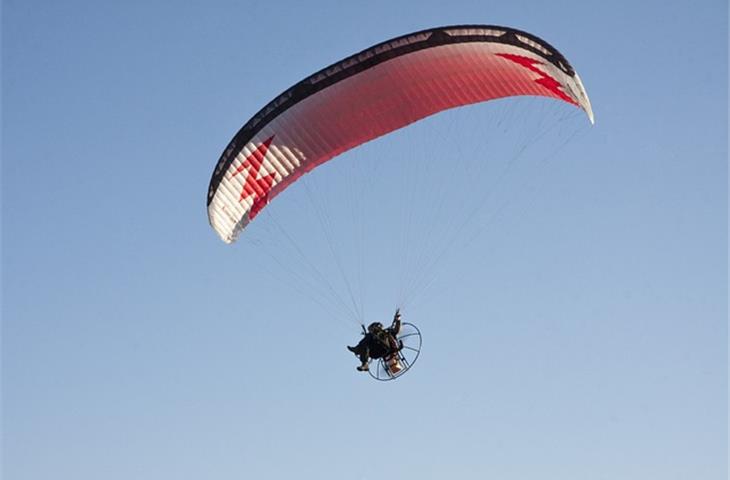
[[395, 327]]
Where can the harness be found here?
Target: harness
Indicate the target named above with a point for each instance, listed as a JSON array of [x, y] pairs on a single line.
[[387, 340]]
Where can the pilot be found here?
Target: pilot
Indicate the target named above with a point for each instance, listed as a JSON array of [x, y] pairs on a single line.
[[378, 342]]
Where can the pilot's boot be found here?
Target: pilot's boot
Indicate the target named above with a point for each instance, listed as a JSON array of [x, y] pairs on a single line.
[[363, 368]]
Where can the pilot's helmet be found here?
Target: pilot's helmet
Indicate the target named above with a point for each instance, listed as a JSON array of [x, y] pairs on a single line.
[[375, 327]]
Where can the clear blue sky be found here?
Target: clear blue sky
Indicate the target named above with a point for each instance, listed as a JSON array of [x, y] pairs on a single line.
[[581, 334]]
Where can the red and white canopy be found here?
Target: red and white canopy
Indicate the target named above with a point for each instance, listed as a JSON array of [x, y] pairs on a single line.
[[372, 93]]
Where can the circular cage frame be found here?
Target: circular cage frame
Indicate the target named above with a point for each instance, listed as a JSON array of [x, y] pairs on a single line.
[[410, 341]]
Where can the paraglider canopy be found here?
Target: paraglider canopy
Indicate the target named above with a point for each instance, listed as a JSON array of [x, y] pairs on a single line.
[[374, 92]]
